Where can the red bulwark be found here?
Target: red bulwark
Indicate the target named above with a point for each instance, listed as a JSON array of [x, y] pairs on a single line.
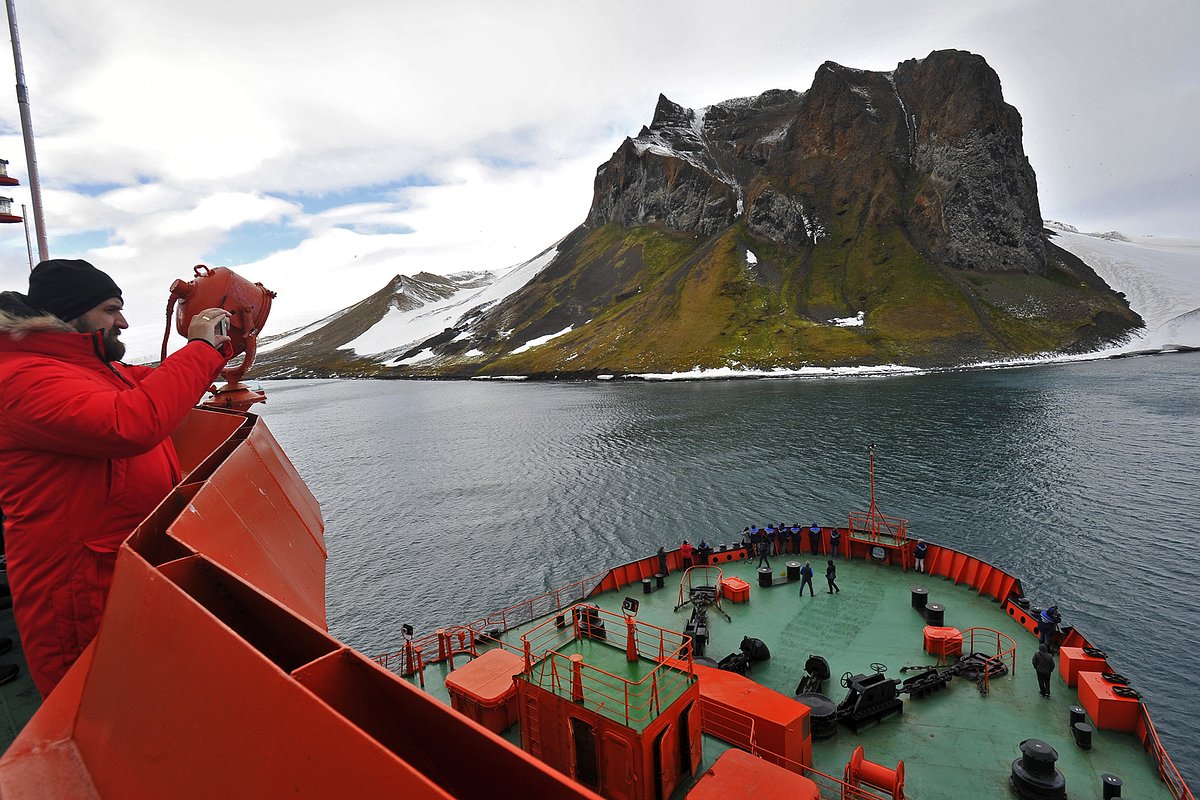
[[1072, 661], [738, 774], [1108, 710], [483, 689]]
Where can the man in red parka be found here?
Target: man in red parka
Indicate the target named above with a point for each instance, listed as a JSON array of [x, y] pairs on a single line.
[[85, 452]]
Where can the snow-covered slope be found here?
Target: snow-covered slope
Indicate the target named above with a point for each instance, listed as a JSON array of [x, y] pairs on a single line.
[[401, 330], [1160, 277]]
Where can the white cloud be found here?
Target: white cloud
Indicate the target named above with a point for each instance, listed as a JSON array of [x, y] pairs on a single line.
[[288, 132]]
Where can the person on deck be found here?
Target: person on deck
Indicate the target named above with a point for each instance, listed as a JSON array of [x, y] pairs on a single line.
[[1048, 627], [806, 576], [831, 576], [685, 551], [814, 539], [85, 453], [763, 550], [835, 539], [919, 555], [1043, 665]]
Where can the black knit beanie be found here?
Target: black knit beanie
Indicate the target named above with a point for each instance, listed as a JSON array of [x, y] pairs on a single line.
[[68, 288]]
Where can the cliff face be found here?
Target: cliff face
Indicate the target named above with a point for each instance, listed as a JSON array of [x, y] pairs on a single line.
[[931, 147], [877, 218]]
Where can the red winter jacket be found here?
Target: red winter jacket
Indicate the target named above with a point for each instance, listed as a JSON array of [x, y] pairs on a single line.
[[85, 456]]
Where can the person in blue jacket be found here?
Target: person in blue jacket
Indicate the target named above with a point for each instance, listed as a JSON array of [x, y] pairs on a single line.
[[814, 538], [1048, 627], [806, 575]]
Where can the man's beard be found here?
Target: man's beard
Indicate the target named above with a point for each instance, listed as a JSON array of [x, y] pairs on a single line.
[[114, 348]]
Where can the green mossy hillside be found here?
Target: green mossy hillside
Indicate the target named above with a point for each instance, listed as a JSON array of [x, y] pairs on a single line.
[[649, 300]]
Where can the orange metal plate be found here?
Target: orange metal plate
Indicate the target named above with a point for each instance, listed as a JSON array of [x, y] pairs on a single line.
[[738, 774]]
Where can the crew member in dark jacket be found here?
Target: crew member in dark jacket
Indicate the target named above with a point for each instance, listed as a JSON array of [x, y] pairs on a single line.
[[1043, 665], [919, 555], [763, 549], [831, 576]]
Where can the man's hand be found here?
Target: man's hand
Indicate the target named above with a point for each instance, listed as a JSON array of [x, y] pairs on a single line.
[[204, 326]]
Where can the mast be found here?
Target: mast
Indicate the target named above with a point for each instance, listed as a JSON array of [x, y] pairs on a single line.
[[874, 511], [35, 184]]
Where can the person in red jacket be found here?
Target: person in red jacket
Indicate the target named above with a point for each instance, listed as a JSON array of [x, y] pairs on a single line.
[[85, 452]]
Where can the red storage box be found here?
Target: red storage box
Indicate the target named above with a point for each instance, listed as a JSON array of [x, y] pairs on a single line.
[[736, 589], [943, 642], [1108, 710], [483, 689], [1072, 661]]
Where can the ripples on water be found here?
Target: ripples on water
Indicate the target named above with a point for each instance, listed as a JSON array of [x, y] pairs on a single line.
[[445, 501]]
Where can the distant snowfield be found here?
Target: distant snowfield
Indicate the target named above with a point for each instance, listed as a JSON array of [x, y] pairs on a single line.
[[1160, 278]]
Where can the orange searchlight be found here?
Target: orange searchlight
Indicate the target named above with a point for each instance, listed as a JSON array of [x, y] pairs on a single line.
[[248, 304]]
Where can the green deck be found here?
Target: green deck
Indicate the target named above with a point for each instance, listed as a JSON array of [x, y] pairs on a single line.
[[954, 743], [19, 699]]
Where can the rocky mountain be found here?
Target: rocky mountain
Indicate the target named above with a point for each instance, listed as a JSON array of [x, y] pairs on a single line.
[[331, 346], [875, 218]]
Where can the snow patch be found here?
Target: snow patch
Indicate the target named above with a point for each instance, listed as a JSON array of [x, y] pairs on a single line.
[[532, 343], [724, 373], [849, 322], [751, 259], [416, 358], [775, 136]]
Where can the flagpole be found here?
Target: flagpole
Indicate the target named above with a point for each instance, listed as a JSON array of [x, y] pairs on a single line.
[[35, 184]]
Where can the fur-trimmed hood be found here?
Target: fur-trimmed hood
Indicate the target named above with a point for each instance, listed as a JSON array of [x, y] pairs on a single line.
[[18, 318]]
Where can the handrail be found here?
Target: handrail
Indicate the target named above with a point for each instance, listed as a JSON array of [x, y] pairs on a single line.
[[633, 702], [504, 619], [735, 727], [1166, 768], [874, 523], [1000, 655], [700, 572]]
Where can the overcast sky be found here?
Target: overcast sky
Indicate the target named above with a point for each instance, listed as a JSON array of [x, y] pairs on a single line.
[[322, 148]]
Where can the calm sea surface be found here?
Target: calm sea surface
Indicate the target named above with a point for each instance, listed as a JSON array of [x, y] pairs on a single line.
[[447, 500]]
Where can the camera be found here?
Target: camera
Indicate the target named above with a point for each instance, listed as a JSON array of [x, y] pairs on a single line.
[[223, 326]]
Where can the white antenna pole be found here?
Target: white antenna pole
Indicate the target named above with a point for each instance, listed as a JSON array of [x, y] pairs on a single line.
[[35, 184]]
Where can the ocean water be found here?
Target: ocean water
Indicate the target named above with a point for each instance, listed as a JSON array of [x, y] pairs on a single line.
[[447, 500]]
